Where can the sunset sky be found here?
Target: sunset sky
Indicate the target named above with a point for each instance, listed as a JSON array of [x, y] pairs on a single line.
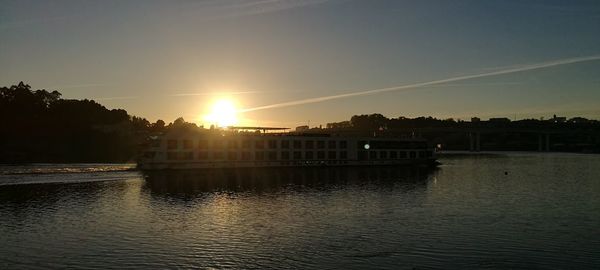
[[165, 59]]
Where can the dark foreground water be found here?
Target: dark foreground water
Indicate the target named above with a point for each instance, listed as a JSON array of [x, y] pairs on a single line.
[[468, 214]]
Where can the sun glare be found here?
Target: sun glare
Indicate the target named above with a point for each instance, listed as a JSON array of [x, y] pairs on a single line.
[[223, 113]]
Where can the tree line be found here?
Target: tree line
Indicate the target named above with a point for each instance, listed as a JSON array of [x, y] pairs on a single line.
[[40, 126], [376, 121]]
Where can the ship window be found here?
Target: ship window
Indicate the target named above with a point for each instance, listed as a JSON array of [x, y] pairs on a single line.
[[402, 154], [362, 155], [171, 155], [309, 144], [232, 144], [297, 144], [188, 155], [309, 155], [361, 144], [331, 145], [246, 156], [155, 143], [218, 144], [297, 155], [272, 155], [413, 154], [231, 156], [343, 155], [272, 144], [218, 155], [187, 144], [285, 144], [202, 155], [259, 155], [260, 144], [172, 144], [321, 144], [203, 144], [321, 154], [393, 154], [246, 144], [383, 154], [343, 144], [285, 155], [373, 155], [422, 154], [332, 154]]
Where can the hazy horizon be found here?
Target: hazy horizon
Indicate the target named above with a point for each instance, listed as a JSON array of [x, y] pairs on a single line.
[[163, 60]]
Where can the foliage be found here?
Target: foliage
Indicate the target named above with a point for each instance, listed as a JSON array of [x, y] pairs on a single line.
[[40, 126]]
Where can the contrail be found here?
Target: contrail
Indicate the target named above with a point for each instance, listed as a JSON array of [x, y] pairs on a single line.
[[416, 85]]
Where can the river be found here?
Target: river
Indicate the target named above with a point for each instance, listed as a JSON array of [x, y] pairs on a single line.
[[495, 211]]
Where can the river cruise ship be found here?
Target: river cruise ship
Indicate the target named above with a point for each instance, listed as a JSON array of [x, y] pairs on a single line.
[[239, 147]]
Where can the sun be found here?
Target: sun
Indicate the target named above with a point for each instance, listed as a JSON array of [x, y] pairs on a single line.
[[223, 114]]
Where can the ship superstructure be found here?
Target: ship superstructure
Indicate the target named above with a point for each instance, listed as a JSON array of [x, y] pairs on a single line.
[[269, 147]]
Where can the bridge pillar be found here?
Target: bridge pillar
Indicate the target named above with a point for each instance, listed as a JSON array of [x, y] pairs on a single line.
[[474, 141], [471, 142], [544, 142]]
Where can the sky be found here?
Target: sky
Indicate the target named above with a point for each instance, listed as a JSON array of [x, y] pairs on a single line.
[[290, 63]]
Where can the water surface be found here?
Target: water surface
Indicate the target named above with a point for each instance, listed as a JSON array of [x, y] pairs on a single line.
[[539, 211]]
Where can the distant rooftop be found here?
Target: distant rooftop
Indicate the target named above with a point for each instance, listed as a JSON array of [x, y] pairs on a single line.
[[263, 129]]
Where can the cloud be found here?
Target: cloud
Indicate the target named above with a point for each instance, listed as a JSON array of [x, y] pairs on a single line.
[[517, 69]]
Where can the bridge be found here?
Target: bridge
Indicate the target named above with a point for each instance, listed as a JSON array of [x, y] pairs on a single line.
[[473, 134]]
